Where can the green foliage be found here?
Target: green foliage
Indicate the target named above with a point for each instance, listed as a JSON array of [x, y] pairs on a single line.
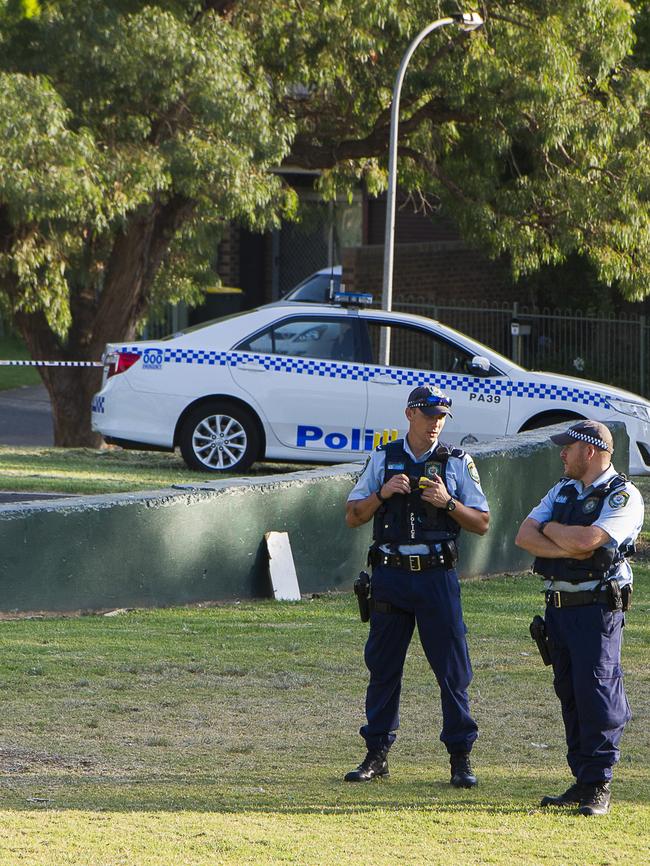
[[154, 123], [107, 110]]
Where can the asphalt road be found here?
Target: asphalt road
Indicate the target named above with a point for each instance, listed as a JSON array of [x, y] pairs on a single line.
[[25, 417]]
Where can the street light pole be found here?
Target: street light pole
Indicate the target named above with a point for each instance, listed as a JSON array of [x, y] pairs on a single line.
[[466, 21]]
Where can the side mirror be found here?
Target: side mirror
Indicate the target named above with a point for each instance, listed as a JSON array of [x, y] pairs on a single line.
[[479, 365]]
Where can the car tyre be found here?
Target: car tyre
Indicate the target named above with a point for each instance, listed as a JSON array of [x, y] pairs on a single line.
[[219, 437]]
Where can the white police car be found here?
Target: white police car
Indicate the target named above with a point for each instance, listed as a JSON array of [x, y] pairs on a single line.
[[303, 382]]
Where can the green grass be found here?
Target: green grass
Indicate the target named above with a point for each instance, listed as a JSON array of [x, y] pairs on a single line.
[[111, 470], [13, 349], [219, 735]]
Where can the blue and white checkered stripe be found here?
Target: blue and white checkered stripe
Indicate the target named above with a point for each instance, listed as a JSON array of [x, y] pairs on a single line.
[[448, 382], [98, 405]]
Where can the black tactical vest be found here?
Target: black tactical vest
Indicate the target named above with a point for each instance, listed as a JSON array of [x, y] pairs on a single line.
[[406, 519], [571, 511]]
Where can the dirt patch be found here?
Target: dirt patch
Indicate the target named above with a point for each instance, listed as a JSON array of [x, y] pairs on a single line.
[[20, 760]]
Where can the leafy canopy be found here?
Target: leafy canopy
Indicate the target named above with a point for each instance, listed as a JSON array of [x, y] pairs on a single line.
[[532, 132]]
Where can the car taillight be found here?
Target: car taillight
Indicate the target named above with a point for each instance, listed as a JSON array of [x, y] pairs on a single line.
[[118, 362]]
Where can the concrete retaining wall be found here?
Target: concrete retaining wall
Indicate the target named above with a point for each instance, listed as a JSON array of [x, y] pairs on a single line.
[[207, 543]]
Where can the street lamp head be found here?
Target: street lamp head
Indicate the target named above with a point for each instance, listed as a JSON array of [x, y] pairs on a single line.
[[468, 20]]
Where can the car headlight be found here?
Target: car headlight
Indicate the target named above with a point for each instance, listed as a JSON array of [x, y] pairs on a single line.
[[626, 407]]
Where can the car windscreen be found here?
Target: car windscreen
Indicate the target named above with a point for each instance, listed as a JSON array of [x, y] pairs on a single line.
[[315, 289]]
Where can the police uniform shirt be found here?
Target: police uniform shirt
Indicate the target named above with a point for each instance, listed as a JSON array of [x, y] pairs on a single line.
[[621, 518], [463, 483]]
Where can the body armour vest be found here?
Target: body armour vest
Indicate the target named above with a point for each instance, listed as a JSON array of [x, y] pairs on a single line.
[[571, 511], [407, 519]]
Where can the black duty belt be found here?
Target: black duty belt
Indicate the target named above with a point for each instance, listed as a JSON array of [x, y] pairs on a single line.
[[575, 599], [440, 557]]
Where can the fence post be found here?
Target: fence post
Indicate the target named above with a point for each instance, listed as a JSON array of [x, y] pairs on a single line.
[[515, 338], [642, 327]]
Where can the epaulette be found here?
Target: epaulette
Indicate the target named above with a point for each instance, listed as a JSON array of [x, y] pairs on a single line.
[[444, 450], [614, 483], [384, 446]]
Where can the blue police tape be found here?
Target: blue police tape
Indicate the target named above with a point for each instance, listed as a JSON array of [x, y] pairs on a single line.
[[51, 364]]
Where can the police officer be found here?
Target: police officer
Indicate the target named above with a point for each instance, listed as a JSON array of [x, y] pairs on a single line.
[[420, 493], [580, 534]]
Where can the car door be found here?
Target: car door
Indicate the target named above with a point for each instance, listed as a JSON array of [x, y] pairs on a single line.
[[303, 372], [421, 356]]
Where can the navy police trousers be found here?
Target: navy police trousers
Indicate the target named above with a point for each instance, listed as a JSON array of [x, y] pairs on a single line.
[[431, 599], [586, 652]]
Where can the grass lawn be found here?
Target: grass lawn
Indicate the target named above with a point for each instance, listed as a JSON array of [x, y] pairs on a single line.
[[13, 349], [219, 735], [112, 470]]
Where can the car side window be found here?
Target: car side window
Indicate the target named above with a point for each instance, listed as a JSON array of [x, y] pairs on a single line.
[[418, 349], [329, 339]]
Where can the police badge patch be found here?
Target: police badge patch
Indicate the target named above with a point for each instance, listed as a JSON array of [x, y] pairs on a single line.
[[432, 468], [473, 472], [618, 499], [589, 505]]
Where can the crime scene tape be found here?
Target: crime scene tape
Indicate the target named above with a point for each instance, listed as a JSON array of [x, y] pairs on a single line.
[[51, 364]]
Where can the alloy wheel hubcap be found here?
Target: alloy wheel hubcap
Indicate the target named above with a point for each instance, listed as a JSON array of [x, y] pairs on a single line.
[[219, 441]]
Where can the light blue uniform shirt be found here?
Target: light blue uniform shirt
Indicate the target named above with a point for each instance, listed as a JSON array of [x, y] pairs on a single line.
[[463, 484], [621, 518]]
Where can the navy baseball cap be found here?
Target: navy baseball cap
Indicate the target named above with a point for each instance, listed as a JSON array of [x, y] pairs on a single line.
[[591, 432], [430, 400]]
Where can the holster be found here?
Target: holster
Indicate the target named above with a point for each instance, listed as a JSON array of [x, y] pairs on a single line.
[[626, 592], [362, 592], [614, 595], [619, 597], [538, 634]]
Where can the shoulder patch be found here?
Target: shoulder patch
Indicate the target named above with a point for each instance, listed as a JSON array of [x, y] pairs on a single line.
[[473, 472], [618, 499]]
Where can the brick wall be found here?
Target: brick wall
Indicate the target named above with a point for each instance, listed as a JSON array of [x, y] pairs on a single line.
[[445, 270]]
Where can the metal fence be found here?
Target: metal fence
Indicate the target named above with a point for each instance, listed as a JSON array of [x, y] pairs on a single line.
[[612, 349]]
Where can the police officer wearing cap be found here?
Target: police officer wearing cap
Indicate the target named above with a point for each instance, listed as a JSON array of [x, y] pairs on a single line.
[[581, 533], [420, 493]]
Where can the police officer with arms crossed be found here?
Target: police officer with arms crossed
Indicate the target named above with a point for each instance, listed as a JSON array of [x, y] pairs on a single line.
[[420, 493], [580, 534]]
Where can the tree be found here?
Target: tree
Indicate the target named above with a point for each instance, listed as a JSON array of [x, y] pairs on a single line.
[[130, 130]]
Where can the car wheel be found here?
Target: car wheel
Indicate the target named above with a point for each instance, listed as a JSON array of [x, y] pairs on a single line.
[[548, 419], [219, 437]]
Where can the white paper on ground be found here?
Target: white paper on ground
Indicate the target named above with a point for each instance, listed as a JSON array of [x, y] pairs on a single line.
[[282, 571]]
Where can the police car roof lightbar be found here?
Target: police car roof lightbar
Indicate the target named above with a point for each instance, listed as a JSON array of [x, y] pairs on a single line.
[[353, 299]]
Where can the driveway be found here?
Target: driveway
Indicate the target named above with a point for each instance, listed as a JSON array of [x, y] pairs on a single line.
[[25, 417]]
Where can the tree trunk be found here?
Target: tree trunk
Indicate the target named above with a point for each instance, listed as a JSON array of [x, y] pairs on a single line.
[[71, 390], [131, 269]]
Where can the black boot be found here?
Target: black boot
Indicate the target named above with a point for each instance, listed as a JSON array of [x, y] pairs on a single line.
[[595, 799], [571, 797], [373, 766], [461, 771]]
